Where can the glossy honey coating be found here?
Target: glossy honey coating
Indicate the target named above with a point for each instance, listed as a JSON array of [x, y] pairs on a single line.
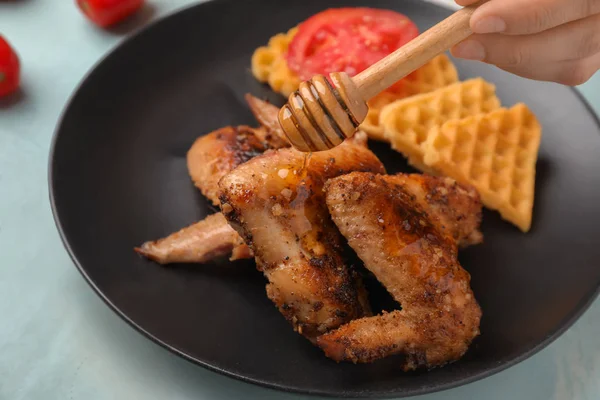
[[322, 113]]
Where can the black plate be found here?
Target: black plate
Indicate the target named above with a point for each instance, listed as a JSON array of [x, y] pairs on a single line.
[[118, 177]]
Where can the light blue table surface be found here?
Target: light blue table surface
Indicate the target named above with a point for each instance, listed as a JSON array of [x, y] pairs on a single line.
[[58, 340]]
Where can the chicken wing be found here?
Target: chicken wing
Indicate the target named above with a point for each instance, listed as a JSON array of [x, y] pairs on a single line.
[[414, 255], [275, 201], [198, 243], [209, 159]]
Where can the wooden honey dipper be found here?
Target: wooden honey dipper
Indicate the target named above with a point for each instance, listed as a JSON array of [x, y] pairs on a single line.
[[321, 114]]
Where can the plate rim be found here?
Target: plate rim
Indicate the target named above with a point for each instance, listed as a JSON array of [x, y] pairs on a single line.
[[587, 300]]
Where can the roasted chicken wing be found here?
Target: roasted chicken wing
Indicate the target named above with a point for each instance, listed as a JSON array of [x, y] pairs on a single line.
[[276, 203], [408, 242], [209, 159], [198, 243]]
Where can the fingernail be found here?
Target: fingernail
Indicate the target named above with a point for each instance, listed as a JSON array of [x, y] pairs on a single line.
[[489, 25], [469, 50]]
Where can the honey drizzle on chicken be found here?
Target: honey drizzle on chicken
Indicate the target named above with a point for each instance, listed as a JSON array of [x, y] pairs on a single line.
[[413, 253]]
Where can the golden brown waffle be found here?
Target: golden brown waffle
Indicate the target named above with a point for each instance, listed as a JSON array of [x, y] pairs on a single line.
[[437, 73], [494, 152], [407, 122], [269, 64]]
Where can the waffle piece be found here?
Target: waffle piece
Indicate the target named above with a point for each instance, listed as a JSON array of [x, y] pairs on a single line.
[[269, 64], [437, 73], [407, 122], [494, 152]]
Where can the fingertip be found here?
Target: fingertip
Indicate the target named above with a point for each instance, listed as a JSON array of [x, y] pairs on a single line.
[[491, 24], [486, 19], [469, 50]]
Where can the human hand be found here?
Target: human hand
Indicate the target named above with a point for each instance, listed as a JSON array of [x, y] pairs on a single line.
[[548, 40]]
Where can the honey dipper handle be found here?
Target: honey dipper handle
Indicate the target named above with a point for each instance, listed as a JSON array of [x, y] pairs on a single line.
[[415, 53]]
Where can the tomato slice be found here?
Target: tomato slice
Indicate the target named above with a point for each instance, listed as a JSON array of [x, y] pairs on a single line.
[[347, 40]]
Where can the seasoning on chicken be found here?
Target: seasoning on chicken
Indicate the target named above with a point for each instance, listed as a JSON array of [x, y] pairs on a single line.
[[451, 206], [413, 253], [276, 203]]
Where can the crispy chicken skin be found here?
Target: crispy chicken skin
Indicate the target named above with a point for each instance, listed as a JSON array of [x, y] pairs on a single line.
[[214, 155], [451, 206], [198, 243], [276, 202], [416, 260]]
